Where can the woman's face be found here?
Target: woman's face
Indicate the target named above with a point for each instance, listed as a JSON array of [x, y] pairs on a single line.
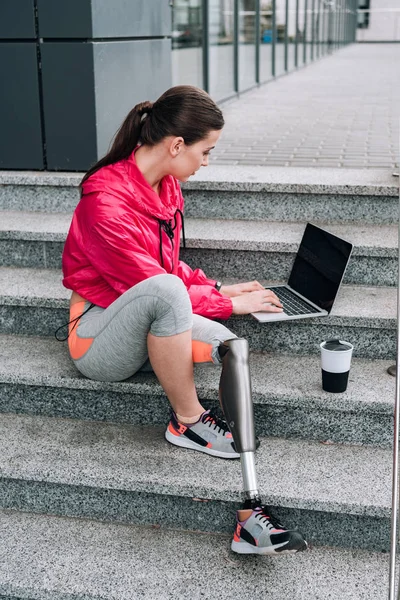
[[189, 159]]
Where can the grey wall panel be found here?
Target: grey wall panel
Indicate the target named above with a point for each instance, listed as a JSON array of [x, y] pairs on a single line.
[[69, 105], [20, 126], [65, 18], [131, 18], [104, 18], [127, 73], [17, 19]]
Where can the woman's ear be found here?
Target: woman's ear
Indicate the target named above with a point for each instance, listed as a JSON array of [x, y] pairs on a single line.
[[176, 146]]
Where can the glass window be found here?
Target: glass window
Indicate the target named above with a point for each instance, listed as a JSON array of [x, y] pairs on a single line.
[[301, 33], [324, 27], [247, 44], [308, 30], [221, 50], [318, 29], [187, 39], [266, 40], [280, 20], [291, 33], [312, 5]]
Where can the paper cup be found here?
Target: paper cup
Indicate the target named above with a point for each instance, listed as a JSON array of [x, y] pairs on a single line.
[[335, 363]]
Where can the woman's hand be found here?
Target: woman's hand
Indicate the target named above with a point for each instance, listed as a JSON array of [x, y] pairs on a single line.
[[261, 300], [240, 288]]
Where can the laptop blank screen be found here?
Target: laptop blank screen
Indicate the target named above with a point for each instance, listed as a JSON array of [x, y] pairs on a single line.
[[319, 266]]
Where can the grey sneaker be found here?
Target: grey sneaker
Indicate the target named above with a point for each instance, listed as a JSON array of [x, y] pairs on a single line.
[[210, 435], [259, 533]]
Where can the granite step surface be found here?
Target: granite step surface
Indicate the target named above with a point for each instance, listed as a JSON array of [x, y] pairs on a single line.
[[224, 247], [37, 377], [253, 193], [56, 558], [34, 302], [339, 494]]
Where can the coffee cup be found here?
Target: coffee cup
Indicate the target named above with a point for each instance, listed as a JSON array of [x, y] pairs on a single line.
[[335, 363]]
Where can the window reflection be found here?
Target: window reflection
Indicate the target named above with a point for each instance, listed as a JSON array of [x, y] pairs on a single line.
[[304, 31], [280, 37], [291, 33], [266, 40], [300, 32], [247, 44], [221, 53], [187, 38]]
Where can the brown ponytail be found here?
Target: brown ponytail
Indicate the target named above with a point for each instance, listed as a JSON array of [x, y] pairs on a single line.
[[125, 140], [183, 110]]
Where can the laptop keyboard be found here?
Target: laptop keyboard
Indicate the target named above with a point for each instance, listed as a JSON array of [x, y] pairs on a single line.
[[292, 304]]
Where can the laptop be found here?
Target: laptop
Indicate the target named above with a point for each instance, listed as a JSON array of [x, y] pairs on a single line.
[[315, 279]]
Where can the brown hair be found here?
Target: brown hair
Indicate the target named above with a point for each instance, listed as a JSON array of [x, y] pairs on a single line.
[[184, 110]]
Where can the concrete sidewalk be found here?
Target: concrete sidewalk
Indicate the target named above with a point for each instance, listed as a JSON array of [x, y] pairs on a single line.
[[341, 111]]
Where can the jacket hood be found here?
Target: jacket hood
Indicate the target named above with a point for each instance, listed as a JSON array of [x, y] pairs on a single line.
[[117, 180]]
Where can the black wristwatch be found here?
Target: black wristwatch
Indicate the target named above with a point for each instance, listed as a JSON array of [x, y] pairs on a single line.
[[218, 285]]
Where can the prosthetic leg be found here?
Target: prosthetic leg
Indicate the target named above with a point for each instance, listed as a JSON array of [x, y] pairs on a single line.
[[237, 406], [256, 531]]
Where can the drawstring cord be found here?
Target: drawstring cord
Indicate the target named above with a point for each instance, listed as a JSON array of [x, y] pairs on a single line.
[[183, 225], [75, 321], [166, 226]]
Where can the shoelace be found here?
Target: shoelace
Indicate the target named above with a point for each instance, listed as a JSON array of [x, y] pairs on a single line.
[[264, 515], [211, 418]]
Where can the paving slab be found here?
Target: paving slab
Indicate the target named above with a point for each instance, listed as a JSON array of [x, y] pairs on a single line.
[[323, 102]]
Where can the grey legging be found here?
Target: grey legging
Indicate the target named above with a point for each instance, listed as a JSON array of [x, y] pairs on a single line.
[[159, 305]]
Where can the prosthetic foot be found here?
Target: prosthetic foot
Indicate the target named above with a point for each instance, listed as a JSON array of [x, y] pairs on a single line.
[[256, 531]]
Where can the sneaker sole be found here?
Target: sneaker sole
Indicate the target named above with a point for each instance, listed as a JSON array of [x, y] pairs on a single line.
[[183, 442], [246, 548]]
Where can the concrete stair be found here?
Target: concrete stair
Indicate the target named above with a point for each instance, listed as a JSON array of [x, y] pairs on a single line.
[[35, 303], [75, 452], [261, 248], [53, 558], [36, 378], [340, 495]]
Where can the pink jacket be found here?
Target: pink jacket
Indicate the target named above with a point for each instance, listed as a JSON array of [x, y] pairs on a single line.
[[123, 232]]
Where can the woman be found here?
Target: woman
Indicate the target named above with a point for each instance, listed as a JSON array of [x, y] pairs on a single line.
[[133, 301]]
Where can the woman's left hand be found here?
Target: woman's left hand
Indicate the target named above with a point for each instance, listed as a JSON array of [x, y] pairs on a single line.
[[240, 288]]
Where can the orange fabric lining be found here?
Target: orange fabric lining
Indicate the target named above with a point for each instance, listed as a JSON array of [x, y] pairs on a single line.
[[77, 346], [201, 352]]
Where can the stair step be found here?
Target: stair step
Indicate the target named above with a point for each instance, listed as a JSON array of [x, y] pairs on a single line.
[[255, 193], [287, 194], [37, 377], [34, 302], [55, 558], [228, 248], [339, 494]]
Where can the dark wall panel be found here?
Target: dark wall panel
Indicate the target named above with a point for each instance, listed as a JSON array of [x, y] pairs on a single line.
[[69, 105], [20, 126], [17, 19], [65, 18]]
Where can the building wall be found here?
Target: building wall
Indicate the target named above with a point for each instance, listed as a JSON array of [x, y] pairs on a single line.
[[384, 22]]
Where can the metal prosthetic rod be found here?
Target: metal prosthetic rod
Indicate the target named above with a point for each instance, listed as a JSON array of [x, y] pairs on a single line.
[[237, 405]]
